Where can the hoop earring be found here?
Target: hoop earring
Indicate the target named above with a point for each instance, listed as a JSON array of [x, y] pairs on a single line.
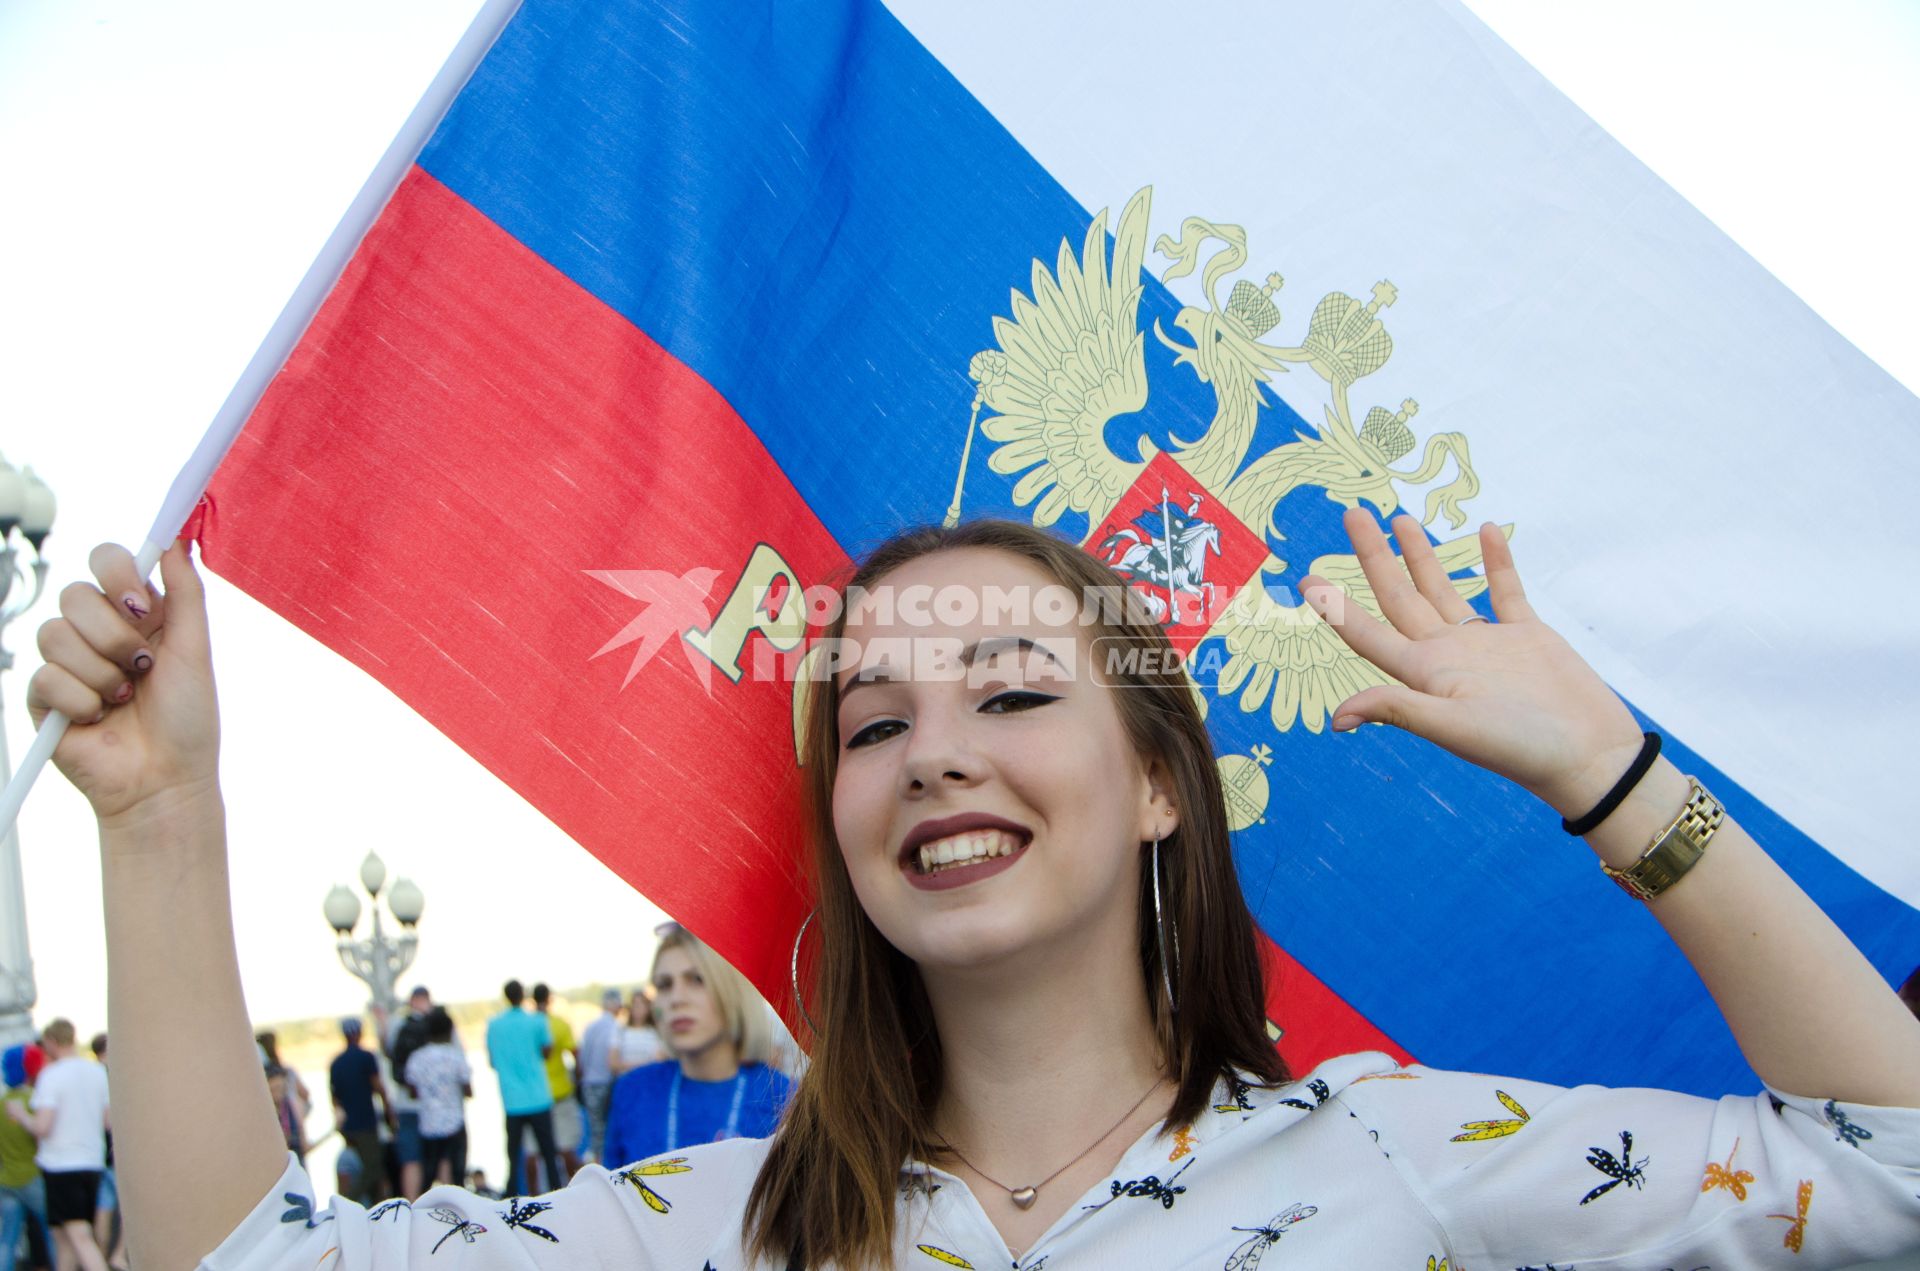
[[794, 973], [1160, 930]]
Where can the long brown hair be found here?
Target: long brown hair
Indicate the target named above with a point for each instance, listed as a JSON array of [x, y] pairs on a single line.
[[826, 1192]]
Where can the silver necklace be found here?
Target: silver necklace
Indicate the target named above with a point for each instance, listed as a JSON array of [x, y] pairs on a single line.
[[1025, 1196]]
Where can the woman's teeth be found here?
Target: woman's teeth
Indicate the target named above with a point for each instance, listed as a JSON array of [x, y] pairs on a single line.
[[965, 849]]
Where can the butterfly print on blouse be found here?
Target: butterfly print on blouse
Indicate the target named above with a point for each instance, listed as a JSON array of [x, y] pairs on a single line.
[[1320, 1092], [1623, 1169], [519, 1214], [1844, 1130], [386, 1207], [465, 1228], [1247, 1256], [1182, 1143], [1149, 1187], [632, 1175], [1797, 1233], [1727, 1177], [1480, 1131]]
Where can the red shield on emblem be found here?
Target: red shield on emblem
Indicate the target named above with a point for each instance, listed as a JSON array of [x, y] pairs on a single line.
[[1177, 545]]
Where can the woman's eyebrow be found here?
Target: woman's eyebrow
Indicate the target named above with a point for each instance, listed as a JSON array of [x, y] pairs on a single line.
[[885, 672], [989, 646]]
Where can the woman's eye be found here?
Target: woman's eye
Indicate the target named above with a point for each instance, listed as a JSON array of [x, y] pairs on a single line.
[[1014, 700], [880, 730]]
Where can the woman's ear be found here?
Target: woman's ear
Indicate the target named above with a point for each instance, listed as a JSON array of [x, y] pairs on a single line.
[[1159, 815]]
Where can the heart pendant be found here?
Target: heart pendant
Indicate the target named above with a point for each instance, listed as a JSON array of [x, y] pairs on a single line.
[[1026, 1196]]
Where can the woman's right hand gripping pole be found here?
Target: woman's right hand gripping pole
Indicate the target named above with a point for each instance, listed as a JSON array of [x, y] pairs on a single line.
[[196, 1143]]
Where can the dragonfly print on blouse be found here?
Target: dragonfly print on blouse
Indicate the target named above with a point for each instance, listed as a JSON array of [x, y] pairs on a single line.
[[1726, 1177], [1318, 1089], [457, 1225], [1797, 1231], [633, 1174], [1266, 1236], [300, 1209], [945, 1258], [1621, 1169], [1844, 1130], [1236, 1100], [1480, 1131], [1149, 1187], [519, 1215], [387, 1207]]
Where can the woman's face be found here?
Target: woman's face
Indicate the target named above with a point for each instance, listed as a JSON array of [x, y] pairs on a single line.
[[987, 800], [690, 1019], [639, 1011]]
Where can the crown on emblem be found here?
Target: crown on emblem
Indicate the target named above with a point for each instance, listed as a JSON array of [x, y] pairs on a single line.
[[1389, 432], [1252, 308]]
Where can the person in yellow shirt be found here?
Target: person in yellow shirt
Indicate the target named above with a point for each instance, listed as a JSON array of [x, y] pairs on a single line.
[[569, 1119], [23, 1196]]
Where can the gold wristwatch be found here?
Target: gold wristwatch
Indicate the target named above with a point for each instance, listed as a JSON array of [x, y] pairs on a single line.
[[1675, 850]]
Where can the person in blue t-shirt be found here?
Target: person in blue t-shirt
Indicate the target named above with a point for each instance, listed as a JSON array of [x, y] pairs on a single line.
[[718, 1085], [518, 1042]]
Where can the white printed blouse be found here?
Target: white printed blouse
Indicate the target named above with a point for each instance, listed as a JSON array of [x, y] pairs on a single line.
[[1363, 1164]]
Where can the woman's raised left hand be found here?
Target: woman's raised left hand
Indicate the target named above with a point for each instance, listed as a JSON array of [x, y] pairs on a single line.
[[1510, 696]]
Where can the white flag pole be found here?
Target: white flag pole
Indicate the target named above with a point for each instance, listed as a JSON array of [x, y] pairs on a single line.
[[285, 334]]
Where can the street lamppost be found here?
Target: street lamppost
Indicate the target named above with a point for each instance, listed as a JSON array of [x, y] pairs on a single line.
[[26, 505], [380, 960]]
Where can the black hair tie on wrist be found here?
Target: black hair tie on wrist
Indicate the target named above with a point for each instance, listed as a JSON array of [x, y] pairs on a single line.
[[1649, 751]]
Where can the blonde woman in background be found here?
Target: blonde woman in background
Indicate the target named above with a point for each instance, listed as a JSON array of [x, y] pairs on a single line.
[[720, 1083]]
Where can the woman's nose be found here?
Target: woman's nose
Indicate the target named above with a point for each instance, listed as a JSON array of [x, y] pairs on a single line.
[[940, 756]]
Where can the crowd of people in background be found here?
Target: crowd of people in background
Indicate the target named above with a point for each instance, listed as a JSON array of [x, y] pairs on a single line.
[[59, 1206], [692, 1055]]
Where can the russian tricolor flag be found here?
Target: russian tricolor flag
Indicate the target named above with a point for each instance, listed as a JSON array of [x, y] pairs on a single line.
[[725, 294]]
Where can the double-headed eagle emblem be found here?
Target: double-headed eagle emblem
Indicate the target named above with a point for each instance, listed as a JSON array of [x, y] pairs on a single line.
[[1071, 357]]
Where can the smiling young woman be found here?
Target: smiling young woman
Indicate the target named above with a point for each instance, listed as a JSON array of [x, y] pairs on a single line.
[[1076, 773], [1040, 1033]]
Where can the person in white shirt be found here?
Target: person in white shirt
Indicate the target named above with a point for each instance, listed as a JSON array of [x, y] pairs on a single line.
[[69, 1116], [640, 1041], [440, 1080], [597, 1043], [1034, 993]]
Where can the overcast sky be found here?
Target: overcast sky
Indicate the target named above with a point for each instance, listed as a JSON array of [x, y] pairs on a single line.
[[170, 170]]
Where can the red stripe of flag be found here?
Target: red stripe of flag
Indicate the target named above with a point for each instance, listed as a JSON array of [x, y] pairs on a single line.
[[461, 435]]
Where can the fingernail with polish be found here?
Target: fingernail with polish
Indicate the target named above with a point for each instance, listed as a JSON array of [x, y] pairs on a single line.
[[122, 693], [135, 604], [142, 663]]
